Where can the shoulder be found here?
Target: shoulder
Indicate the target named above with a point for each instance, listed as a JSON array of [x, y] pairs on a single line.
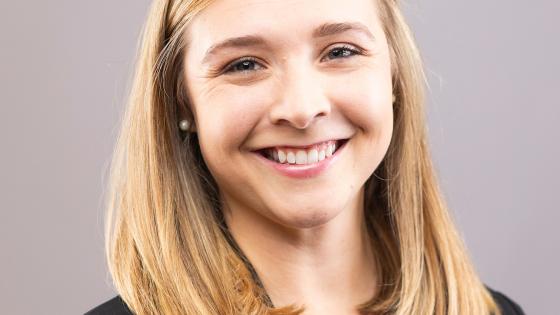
[[507, 305], [114, 306]]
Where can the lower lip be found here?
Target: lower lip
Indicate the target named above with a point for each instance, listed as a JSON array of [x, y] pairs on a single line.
[[304, 170]]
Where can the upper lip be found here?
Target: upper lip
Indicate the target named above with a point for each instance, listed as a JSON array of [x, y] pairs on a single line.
[[298, 146]]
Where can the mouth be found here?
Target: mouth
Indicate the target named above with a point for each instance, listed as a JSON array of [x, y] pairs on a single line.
[[302, 156]]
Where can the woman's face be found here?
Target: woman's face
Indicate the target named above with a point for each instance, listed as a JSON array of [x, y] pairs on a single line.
[[292, 79]]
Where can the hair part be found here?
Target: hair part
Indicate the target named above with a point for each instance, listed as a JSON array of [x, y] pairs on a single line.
[[167, 245]]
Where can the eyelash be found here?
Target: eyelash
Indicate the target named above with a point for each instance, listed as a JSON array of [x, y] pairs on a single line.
[[230, 68]]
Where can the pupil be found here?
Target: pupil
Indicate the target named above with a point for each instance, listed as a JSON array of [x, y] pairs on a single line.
[[338, 52], [245, 65]]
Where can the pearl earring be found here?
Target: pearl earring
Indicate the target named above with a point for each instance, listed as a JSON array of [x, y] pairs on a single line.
[[184, 125]]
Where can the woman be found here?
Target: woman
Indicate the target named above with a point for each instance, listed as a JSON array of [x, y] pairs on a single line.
[[273, 160]]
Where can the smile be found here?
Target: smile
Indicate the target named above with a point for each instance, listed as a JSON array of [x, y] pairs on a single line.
[[310, 155], [302, 162]]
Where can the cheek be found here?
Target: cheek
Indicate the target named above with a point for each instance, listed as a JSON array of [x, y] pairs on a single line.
[[225, 118], [366, 100]]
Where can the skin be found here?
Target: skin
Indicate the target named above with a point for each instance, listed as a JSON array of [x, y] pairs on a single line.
[[305, 237]]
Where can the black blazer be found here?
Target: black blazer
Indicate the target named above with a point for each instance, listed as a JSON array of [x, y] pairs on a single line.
[[116, 306]]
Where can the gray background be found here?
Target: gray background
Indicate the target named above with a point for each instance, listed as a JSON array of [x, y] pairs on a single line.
[[494, 115]]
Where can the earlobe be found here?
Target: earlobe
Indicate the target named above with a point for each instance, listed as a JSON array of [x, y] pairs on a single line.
[[394, 98]]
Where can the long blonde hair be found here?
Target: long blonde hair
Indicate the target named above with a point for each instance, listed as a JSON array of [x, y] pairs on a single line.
[[166, 245]]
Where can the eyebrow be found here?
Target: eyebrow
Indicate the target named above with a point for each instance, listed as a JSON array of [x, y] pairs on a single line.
[[324, 30]]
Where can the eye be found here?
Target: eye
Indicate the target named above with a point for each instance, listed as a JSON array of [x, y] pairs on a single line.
[[244, 65], [343, 51], [248, 64]]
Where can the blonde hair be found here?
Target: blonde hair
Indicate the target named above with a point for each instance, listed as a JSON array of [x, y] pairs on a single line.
[[166, 244]]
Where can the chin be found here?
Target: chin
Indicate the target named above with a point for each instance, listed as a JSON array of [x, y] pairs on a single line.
[[304, 218]]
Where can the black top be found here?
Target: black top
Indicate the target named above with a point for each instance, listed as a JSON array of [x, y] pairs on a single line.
[[116, 306]]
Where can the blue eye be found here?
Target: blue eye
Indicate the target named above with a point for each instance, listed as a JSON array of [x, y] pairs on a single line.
[[344, 51], [244, 65], [248, 64]]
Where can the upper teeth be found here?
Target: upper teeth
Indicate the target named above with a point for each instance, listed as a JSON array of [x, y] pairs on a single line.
[[300, 156]]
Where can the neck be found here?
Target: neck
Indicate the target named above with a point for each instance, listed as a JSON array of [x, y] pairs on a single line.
[[329, 268]]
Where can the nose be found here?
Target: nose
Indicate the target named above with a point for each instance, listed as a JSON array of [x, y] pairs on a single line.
[[301, 99]]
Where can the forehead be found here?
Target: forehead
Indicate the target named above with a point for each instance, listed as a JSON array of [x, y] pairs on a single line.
[[279, 20]]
